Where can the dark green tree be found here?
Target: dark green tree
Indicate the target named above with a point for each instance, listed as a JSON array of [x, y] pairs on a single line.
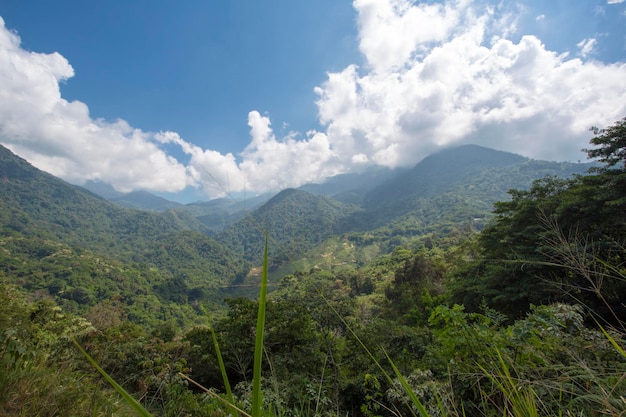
[[611, 142], [413, 286], [562, 240]]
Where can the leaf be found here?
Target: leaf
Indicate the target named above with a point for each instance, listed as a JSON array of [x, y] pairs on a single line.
[[127, 397]]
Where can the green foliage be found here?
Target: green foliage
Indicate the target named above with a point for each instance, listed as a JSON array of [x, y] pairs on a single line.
[[127, 397], [612, 144], [296, 220], [39, 374], [259, 346], [366, 325], [540, 364], [529, 252], [413, 287]]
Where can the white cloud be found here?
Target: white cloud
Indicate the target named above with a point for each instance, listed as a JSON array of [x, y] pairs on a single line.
[[614, 1], [434, 75], [268, 164], [59, 136], [463, 82], [586, 46]]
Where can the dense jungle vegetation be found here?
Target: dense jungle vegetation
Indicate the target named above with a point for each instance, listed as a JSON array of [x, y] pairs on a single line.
[[524, 317]]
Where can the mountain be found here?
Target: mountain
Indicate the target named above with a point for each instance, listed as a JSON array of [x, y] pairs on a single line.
[[441, 172], [140, 200], [455, 185], [219, 213], [295, 220], [43, 205], [194, 250], [56, 235], [143, 200], [351, 188]]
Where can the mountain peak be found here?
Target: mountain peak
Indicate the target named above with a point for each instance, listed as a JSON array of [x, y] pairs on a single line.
[[441, 171]]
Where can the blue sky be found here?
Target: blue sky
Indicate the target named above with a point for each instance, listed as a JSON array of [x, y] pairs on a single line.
[[194, 99]]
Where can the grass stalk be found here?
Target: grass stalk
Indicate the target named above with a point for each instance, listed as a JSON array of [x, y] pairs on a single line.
[[220, 361], [125, 395], [613, 342], [522, 401], [216, 396], [257, 404], [407, 388]]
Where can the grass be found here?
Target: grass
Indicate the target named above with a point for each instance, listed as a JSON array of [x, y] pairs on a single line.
[[125, 395], [257, 400]]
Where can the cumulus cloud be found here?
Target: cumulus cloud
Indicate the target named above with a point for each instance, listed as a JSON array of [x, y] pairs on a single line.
[[268, 163], [445, 74], [434, 74], [60, 137]]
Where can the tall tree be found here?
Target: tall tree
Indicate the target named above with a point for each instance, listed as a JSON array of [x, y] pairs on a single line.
[[562, 240], [611, 142]]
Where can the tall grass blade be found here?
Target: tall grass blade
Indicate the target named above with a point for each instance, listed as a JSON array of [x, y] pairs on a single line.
[[214, 395], [612, 340], [220, 361], [405, 385], [520, 401], [127, 397], [407, 388], [258, 347]]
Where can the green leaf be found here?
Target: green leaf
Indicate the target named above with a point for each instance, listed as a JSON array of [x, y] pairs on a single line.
[[127, 397], [258, 348]]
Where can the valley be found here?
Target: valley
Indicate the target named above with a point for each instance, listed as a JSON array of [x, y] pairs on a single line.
[[360, 267]]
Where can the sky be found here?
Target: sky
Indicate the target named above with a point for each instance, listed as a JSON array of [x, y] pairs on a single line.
[[195, 100]]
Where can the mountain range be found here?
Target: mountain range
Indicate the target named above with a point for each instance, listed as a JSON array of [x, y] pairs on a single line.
[[174, 254]]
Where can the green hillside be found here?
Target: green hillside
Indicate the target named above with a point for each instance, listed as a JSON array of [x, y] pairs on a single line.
[[296, 221], [430, 302], [64, 242]]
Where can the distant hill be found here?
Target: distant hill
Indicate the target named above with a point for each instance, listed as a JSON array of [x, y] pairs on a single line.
[[455, 185], [143, 200], [351, 188], [219, 213], [296, 221], [41, 215], [140, 200], [441, 172], [193, 250], [42, 204]]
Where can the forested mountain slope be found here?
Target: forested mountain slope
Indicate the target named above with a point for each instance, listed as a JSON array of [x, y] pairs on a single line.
[[455, 186], [295, 221], [77, 247], [440, 173], [37, 203]]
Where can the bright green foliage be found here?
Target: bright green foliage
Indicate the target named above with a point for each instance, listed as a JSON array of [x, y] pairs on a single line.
[[39, 369], [296, 221], [413, 288], [543, 361]]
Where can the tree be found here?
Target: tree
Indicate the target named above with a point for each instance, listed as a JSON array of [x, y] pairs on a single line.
[[612, 142], [523, 260], [414, 282]]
